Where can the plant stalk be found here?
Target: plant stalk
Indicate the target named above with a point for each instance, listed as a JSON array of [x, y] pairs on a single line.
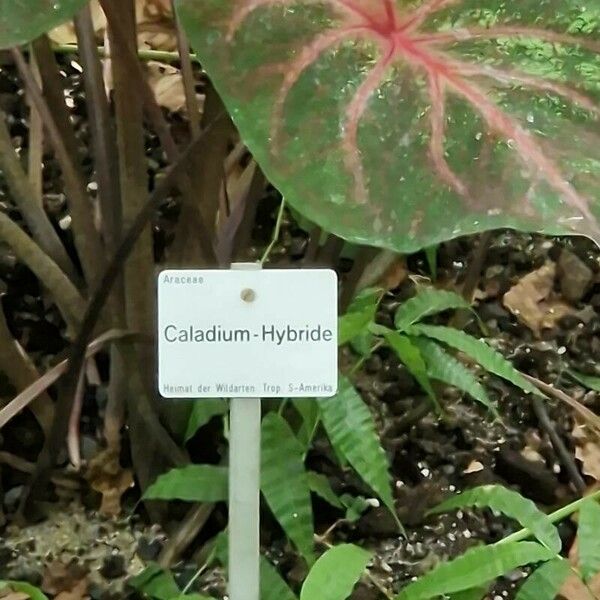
[[555, 517]]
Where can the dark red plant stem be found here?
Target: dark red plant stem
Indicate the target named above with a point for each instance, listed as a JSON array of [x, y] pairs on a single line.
[[54, 442], [101, 127]]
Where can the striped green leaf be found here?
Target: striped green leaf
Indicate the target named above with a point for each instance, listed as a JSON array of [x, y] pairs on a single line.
[[202, 412], [431, 254], [588, 536], [588, 381], [155, 582], [309, 411], [427, 302], [284, 482], [511, 504], [474, 568], [335, 574], [490, 359], [351, 430], [473, 594], [410, 356], [444, 367], [545, 582], [192, 483], [319, 484], [272, 584], [359, 315]]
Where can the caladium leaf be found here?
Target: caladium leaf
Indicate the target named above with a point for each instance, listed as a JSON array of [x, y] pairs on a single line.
[[23, 20], [402, 123]]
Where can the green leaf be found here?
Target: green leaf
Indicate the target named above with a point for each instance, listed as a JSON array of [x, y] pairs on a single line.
[[589, 539], [351, 430], [444, 367], [545, 582], [431, 254], [202, 412], [284, 483], [23, 20], [309, 411], [335, 574], [192, 483], [363, 344], [589, 381], [359, 315], [319, 484], [476, 567], [272, 585], [402, 124], [355, 507], [473, 594], [410, 356], [511, 504], [155, 582], [429, 301], [490, 359], [192, 597], [26, 588]]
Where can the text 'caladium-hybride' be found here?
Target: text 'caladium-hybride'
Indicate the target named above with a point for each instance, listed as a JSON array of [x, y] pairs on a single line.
[[402, 123]]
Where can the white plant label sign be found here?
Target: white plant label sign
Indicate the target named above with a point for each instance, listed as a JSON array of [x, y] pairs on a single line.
[[247, 334]]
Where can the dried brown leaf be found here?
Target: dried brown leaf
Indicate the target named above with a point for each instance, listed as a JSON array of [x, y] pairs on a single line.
[[65, 33], [167, 84], [156, 27], [60, 578], [394, 275], [532, 300], [106, 476], [574, 588], [78, 592], [8, 594], [474, 467], [587, 451]]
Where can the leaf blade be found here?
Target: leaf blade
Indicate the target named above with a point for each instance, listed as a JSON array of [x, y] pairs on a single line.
[[22, 586], [444, 367], [347, 561], [319, 484], [202, 412], [499, 133], [476, 567], [192, 483], [21, 22], [411, 357], [545, 582], [284, 482], [511, 504], [491, 360], [427, 302], [588, 540], [589, 381], [359, 315], [350, 427], [155, 582]]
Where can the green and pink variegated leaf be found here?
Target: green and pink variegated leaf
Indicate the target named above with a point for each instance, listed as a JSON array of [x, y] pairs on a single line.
[[403, 123]]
